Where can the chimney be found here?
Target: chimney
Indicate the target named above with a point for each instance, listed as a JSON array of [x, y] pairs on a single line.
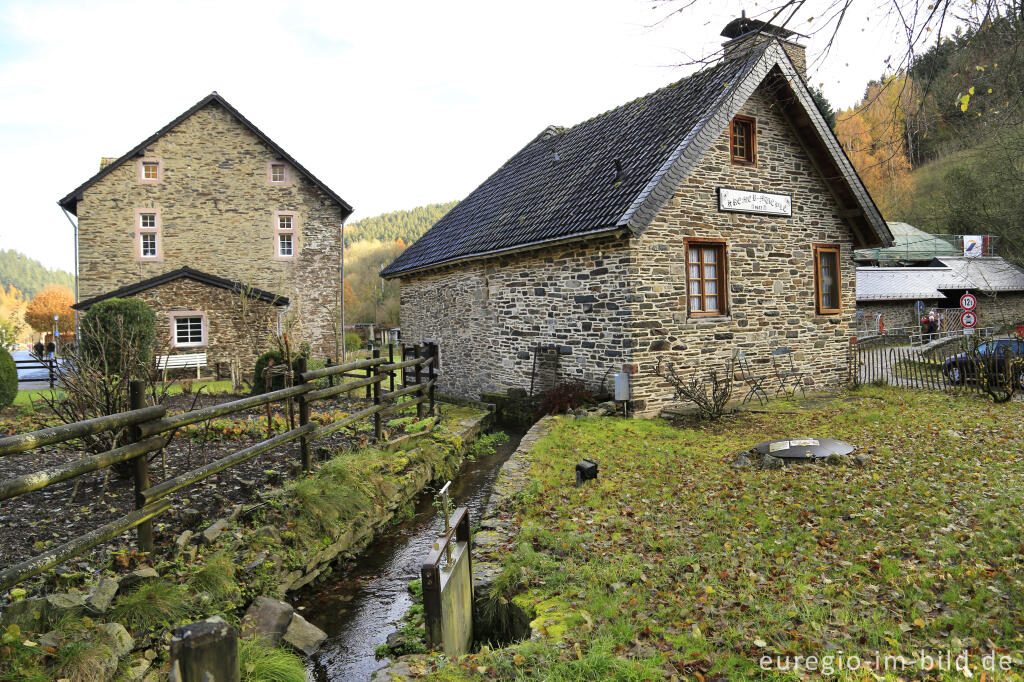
[[747, 34]]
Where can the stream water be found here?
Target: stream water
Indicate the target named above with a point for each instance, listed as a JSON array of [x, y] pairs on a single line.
[[361, 605]]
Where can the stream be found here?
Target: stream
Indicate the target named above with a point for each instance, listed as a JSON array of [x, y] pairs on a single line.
[[361, 604]]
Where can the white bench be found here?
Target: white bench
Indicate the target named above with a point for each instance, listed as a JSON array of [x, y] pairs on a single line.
[[184, 360]]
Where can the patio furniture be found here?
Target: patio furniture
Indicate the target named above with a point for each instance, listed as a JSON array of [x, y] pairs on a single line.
[[753, 382], [786, 371]]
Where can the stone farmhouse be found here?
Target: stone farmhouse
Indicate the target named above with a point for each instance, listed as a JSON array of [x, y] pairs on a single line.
[[718, 214], [203, 212]]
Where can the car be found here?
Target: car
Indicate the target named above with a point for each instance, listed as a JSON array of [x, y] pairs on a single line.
[[993, 357]]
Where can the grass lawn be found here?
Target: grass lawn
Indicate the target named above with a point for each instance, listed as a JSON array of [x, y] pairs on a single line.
[[674, 563]]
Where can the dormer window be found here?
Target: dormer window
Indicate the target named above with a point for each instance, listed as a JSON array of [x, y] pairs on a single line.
[[279, 173], [150, 171], [743, 141]]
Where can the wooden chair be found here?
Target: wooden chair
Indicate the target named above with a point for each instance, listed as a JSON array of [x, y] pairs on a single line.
[[754, 383], [786, 371]]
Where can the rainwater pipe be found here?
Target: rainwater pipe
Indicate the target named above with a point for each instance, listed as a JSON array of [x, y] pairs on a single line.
[[74, 226]]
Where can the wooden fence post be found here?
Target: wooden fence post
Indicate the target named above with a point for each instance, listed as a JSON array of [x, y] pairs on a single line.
[[391, 372], [307, 454], [330, 379], [136, 401], [432, 375], [369, 373], [378, 431], [207, 650], [419, 379], [50, 365]]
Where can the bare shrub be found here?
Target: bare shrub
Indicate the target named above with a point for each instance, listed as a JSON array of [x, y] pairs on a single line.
[[710, 392]]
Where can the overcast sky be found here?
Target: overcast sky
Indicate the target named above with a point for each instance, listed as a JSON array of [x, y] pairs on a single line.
[[392, 104]]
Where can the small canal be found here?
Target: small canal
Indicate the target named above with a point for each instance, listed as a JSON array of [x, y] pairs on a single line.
[[361, 604]]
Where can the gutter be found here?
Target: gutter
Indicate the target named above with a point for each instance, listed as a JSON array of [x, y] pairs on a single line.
[[615, 230]]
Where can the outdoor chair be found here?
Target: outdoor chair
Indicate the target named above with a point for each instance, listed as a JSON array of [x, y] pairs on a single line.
[[754, 383], [786, 371]]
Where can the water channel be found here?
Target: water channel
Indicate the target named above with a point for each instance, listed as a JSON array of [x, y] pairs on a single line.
[[360, 605]]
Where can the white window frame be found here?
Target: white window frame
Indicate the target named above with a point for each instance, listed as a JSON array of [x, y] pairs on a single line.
[[178, 315]]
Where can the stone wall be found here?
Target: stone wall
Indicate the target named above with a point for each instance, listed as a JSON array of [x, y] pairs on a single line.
[[488, 318], [228, 334], [770, 276], [216, 211], [625, 302], [895, 314], [1000, 311]]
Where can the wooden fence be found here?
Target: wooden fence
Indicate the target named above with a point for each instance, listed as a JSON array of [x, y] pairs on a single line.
[[49, 364], [149, 429]]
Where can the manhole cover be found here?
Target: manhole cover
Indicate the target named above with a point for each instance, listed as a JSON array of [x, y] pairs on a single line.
[[804, 448]]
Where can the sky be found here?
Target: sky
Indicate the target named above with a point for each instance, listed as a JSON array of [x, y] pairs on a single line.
[[392, 104]]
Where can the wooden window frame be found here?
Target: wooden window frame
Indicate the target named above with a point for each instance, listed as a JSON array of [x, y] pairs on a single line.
[[722, 279], [818, 306], [743, 160]]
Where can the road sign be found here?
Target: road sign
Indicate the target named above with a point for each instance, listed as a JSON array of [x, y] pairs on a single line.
[[968, 302], [968, 319]]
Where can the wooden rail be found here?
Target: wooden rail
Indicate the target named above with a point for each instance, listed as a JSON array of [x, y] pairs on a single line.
[[148, 429]]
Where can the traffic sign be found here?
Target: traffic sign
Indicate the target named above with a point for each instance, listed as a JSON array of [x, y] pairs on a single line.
[[968, 319], [968, 302]]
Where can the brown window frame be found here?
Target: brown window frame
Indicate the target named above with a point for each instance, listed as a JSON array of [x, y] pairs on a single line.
[[723, 276], [818, 305], [750, 159]]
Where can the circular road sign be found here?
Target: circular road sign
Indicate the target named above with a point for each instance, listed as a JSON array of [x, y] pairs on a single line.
[[968, 319], [968, 302]]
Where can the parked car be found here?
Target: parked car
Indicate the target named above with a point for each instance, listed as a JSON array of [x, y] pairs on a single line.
[[993, 357]]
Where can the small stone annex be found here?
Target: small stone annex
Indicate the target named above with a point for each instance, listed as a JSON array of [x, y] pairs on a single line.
[[210, 198], [718, 214]]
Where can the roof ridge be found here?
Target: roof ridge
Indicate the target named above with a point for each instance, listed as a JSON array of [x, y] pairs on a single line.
[[70, 202]]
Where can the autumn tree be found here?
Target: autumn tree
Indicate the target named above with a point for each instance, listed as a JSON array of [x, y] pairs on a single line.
[[52, 300], [874, 136]]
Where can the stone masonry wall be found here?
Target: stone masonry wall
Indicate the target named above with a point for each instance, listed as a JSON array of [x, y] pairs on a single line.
[[227, 337], [488, 317], [770, 275], [216, 212]]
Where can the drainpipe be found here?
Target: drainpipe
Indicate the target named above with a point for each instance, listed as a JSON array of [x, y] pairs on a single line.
[[344, 350], [74, 226], [280, 318]]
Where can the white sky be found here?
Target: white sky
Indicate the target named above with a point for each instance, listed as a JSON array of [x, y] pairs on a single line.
[[392, 104]]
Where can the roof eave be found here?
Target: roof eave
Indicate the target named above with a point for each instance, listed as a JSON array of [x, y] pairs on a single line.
[[613, 231]]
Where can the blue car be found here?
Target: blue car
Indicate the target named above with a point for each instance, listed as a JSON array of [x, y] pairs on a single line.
[[993, 357]]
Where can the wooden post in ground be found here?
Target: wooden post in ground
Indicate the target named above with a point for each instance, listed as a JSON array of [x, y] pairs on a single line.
[[432, 374], [330, 379], [369, 373], [136, 401], [307, 454], [391, 372], [378, 431], [207, 650], [419, 379]]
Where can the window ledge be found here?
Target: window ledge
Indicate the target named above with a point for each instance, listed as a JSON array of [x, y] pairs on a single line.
[[709, 318]]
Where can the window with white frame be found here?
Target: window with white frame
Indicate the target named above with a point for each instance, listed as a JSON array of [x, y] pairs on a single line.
[[188, 330], [285, 224], [150, 170], [277, 173], [148, 232]]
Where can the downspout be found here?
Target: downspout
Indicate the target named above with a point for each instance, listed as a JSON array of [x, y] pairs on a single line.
[[344, 349], [280, 318], [74, 226]]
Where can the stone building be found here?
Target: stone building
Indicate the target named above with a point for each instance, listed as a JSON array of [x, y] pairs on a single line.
[[205, 206], [716, 215], [893, 299]]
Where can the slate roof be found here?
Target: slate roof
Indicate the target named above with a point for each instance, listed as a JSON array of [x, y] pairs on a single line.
[[202, 277], [614, 172], [70, 202], [983, 275]]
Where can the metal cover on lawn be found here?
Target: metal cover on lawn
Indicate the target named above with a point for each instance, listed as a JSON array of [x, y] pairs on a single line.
[[804, 448]]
